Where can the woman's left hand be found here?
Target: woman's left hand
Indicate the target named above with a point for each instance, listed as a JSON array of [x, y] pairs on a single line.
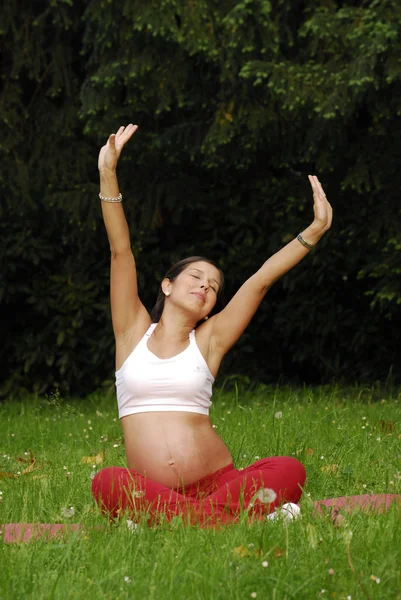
[[321, 206]]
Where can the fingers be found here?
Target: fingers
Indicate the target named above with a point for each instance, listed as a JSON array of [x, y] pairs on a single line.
[[125, 133], [322, 208], [317, 187]]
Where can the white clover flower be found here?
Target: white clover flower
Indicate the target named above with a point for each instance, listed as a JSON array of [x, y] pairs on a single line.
[[66, 512], [265, 563], [253, 595], [266, 495], [127, 579], [131, 525]]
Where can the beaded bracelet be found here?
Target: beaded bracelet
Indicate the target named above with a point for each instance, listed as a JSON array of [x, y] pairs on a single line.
[[303, 242], [116, 199]]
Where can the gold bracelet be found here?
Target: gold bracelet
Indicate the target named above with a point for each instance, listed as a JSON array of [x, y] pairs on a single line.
[[116, 199], [303, 242]]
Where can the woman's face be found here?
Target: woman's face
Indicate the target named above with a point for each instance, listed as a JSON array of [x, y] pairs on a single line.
[[195, 288]]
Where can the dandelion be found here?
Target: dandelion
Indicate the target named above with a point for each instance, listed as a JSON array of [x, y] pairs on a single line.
[[265, 563], [278, 415], [138, 493], [66, 512], [374, 578], [68, 474], [266, 495]]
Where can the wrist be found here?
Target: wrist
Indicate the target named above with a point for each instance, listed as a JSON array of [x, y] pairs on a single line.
[[313, 233], [107, 173]]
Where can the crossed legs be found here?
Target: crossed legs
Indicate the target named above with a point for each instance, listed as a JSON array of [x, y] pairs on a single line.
[[216, 499]]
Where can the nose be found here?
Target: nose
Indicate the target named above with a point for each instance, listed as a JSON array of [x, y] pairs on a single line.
[[205, 285]]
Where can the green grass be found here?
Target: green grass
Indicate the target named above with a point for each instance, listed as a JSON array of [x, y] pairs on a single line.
[[322, 427]]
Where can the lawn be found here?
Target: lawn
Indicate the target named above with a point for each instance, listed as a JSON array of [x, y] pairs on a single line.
[[348, 439]]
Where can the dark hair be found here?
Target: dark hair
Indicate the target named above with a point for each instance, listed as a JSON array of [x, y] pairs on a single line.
[[172, 275]]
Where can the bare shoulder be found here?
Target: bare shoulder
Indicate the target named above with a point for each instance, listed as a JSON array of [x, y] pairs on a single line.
[[129, 339], [209, 350]]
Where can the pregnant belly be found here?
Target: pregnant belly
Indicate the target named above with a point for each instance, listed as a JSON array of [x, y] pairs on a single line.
[[173, 448]]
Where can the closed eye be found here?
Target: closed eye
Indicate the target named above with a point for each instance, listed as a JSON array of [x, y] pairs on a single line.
[[197, 277]]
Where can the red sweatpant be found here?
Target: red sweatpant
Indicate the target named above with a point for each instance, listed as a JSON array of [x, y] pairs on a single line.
[[213, 500]]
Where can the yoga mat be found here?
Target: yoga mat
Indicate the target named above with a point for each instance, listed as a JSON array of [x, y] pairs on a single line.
[[365, 502], [26, 532]]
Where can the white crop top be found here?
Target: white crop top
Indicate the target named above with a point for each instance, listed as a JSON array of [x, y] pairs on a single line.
[[147, 383]]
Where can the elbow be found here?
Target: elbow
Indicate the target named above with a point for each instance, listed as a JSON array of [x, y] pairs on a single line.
[[123, 250]]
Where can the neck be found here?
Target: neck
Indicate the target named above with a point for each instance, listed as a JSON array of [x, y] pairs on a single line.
[[175, 328]]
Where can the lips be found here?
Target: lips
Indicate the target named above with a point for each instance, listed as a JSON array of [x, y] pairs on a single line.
[[201, 296]]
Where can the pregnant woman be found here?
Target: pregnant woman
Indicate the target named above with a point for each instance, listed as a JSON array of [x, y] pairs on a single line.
[[166, 363]]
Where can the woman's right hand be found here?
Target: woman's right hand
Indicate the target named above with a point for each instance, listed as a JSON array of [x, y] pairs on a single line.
[[110, 153]]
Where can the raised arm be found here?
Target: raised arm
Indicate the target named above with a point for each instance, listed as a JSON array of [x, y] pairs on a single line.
[[126, 308], [228, 325]]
